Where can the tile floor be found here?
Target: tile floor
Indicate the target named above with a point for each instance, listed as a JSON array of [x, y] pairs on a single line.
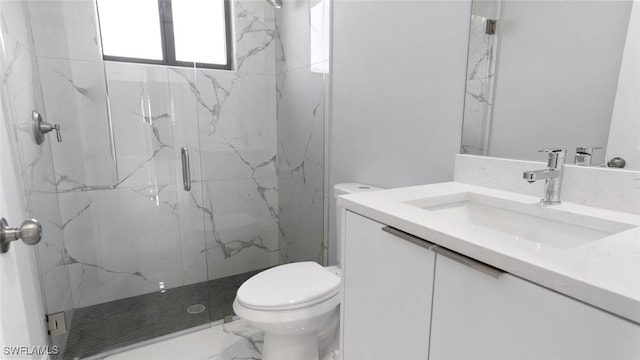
[[110, 326], [231, 341], [234, 340]]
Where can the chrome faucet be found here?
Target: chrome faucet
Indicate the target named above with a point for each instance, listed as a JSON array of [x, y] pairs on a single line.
[[585, 156], [552, 176]]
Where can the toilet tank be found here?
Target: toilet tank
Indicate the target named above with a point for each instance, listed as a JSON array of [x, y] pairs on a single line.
[[344, 189]]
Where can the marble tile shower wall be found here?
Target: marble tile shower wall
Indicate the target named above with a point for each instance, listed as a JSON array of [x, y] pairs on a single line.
[[480, 79], [20, 95], [129, 226], [302, 83]]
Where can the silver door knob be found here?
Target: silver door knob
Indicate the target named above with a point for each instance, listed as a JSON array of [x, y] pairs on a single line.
[[30, 232]]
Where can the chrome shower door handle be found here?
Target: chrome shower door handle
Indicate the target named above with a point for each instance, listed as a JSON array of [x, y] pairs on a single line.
[[186, 169]]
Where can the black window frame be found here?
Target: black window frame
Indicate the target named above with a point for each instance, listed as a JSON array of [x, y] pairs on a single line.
[[168, 42]]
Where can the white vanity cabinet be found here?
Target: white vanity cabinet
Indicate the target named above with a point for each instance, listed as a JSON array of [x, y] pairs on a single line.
[[404, 298], [483, 315], [387, 291]]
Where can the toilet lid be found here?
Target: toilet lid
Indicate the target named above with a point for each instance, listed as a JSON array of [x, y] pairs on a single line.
[[288, 286]]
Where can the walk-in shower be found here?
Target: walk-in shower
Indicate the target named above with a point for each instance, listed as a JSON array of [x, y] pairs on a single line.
[[132, 249]]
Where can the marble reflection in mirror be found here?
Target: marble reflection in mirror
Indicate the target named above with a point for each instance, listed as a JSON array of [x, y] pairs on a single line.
[[554, 74]]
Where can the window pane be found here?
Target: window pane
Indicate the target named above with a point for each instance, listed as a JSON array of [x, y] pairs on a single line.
[[130, 28], [200, 31]]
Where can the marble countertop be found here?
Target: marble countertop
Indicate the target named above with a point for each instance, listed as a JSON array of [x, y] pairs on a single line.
[[604, 273]]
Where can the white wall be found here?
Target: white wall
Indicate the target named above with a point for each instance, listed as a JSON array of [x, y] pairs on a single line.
[[557, 72], [624, 137], [398, 77]]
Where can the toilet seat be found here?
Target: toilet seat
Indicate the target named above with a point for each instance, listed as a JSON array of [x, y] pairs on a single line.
[[290, 286]]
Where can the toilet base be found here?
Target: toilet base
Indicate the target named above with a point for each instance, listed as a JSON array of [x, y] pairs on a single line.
[[298, 347]]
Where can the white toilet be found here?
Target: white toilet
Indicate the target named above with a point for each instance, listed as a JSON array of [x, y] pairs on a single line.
[[297, 304]]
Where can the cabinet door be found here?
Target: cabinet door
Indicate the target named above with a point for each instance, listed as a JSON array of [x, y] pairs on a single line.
[[387, 290], [476, 316]]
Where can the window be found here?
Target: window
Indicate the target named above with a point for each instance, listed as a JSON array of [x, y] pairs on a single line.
[[180, 32]]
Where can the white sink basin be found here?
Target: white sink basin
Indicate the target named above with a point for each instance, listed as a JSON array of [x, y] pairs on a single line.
[[505, 219]]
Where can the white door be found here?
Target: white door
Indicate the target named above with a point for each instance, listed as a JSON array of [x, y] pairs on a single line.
[[21, 306]]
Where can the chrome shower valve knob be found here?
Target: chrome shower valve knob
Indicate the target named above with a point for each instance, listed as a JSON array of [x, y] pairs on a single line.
[[40, 128]]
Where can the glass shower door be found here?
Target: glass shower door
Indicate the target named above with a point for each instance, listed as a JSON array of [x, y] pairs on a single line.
[[136, 245], [133, 235]]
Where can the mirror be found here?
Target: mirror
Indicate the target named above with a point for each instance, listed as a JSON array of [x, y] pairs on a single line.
[[544, 74]]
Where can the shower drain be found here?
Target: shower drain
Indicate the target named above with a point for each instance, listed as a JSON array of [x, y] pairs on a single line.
[[195, 309]]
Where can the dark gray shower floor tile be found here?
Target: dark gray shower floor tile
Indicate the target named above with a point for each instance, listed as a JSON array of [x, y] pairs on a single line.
[[222, 292], [100, 328]]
